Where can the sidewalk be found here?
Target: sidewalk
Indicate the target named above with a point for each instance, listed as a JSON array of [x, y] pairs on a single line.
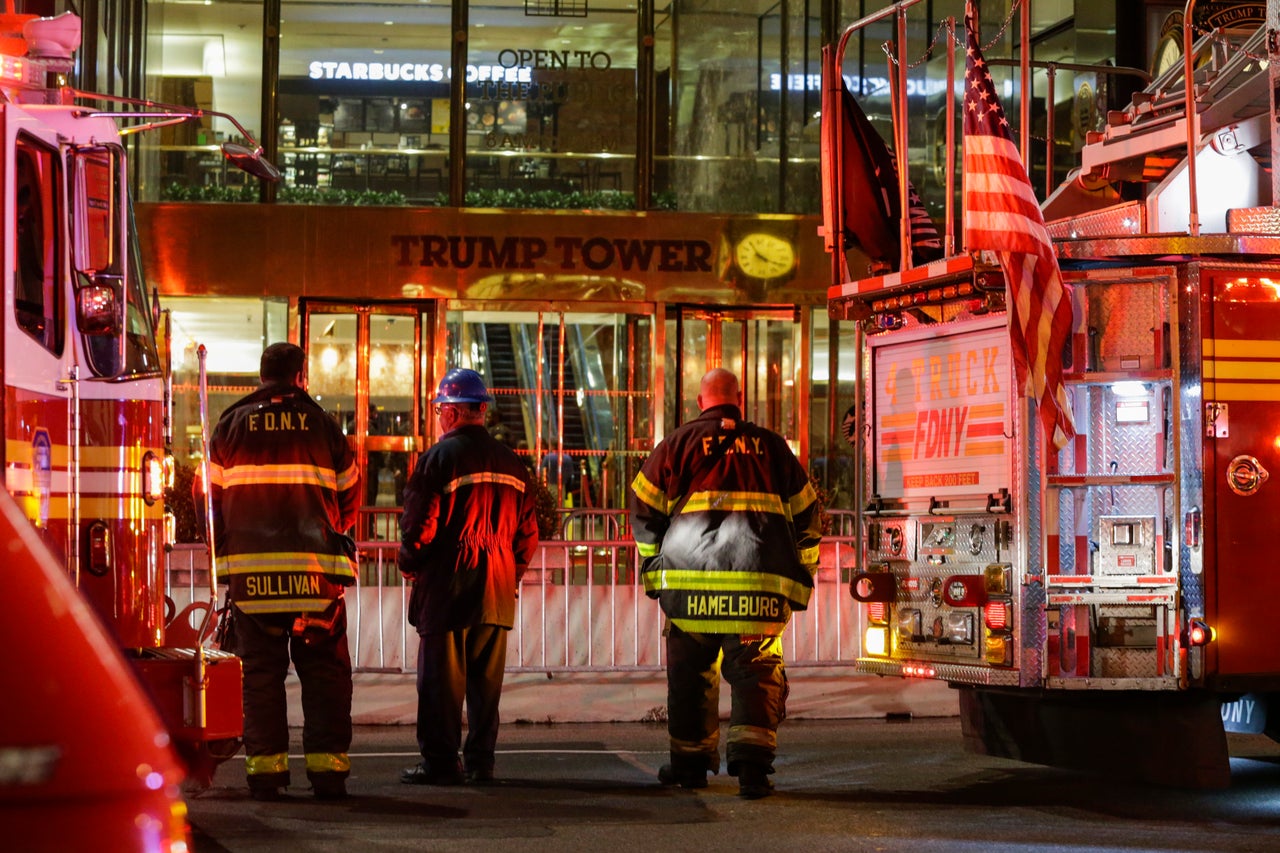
[[816, 693]]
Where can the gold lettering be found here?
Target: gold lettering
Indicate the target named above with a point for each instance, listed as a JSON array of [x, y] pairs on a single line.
[[253, 422], [302, 420]]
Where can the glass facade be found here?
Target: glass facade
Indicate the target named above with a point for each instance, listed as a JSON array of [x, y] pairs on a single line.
[[692, 106], [710, 109]]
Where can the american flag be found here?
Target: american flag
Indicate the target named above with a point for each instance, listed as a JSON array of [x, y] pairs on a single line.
[[1001, 214]]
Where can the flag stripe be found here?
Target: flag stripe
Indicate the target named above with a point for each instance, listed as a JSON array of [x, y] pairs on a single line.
[[1002, 215]]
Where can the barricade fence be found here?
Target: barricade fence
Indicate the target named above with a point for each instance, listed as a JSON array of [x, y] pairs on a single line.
[[581, 608]]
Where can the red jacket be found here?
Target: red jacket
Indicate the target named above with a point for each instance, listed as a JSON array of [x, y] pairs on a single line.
[[468, 532]]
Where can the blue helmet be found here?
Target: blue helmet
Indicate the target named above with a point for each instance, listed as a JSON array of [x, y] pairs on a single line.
[[461, 385]]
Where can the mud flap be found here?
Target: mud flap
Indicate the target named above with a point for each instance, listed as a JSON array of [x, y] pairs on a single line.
[[1171, 739]]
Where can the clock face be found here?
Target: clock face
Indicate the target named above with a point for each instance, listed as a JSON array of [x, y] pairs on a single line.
[[764, 256]]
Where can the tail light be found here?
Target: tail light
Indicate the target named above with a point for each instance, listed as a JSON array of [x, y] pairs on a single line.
[[878, 612], [995, 614]]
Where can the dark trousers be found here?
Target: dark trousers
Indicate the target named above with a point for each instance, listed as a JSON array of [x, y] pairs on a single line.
[[323, 664], [757, 678], [465, 664]]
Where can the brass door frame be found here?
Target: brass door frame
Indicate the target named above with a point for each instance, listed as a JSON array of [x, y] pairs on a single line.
[[716, 317], [423, 315]]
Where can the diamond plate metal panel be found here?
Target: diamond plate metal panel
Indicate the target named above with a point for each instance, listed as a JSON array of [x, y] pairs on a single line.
[[957, 674], [1254, 220], [1123, 322], [1191, 482], [1123, 663], [1031, 627], [1126, 545], [1122, 219]]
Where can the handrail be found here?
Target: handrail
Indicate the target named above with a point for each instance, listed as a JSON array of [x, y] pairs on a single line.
[[1193, 120], [1051, 67], [899, 96]]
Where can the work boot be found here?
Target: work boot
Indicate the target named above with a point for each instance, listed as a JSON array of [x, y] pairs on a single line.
[[753, 781], [684, 777], [264, 793], [421, 774], [328, 786], [479, 776]]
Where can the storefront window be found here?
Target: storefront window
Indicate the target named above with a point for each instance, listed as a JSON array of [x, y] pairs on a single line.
[[364, 101], [205, 56], [233, 332], [551, 105]]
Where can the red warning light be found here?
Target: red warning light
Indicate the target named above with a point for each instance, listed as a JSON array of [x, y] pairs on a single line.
[[1199, 633], [996, 615]]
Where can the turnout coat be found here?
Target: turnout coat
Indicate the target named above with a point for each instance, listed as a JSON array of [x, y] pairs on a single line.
[[728, 525]]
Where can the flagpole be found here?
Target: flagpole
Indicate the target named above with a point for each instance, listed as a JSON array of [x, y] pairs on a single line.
[[949, 228], [1024, 109], [900, 128], [1193, 120]]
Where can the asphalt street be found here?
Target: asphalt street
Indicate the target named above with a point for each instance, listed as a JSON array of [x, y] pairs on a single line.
[[859, 785]]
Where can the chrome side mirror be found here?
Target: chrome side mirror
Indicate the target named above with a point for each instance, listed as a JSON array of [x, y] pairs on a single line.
[[250, 160]]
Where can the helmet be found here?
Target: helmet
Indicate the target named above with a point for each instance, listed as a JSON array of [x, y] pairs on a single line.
[[461, 385]]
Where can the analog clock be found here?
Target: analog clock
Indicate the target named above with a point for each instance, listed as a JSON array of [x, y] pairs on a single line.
[[764, 256]]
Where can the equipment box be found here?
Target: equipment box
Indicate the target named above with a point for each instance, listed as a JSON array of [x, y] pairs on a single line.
[[195, 707]]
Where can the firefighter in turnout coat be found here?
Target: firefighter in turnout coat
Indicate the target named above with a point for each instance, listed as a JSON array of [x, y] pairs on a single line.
[[728, 525], [468, 532], [284, 488]]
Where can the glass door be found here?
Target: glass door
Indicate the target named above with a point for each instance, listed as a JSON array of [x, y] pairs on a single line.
[[572, 392], [365, 367], [760, 346]]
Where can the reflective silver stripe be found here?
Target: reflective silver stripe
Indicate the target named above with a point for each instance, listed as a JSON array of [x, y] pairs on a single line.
[[485, 477]]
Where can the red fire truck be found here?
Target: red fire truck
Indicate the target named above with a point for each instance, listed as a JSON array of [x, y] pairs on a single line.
[[1108, 606], [85, 406]]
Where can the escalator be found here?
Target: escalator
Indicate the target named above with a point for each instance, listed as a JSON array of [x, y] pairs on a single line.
[[509, 359], [503, 378]]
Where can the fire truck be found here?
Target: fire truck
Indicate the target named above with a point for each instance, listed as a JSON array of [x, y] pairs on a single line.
[[1108, 606], [85, 403]]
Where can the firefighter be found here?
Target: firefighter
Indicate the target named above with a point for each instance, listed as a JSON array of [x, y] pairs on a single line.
[[468, 532], [285, 488], [728, 525]]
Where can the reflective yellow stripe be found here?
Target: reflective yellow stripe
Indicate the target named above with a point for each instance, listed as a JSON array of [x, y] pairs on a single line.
[[1237, 348], [753, 735], [279, 475], [485, 477], [285, 561], [328, 762], [256, 765], [809, 556], [646, 550], [706, 746], [726, 626], [736, 502], [799, 503], [650, 494], [348, 478], [284, 605], [700, 581]]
